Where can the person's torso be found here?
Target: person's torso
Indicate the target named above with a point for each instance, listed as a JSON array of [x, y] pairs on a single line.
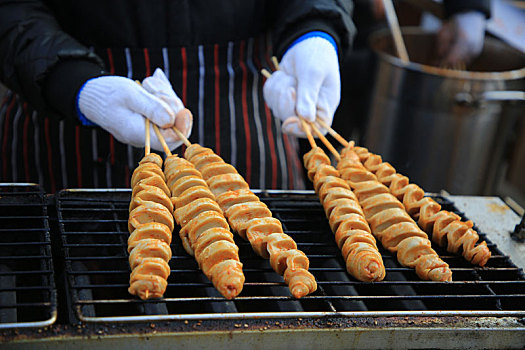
[[160, 23]]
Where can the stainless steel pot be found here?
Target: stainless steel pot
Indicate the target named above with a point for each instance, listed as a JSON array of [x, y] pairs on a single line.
[[444, 128]]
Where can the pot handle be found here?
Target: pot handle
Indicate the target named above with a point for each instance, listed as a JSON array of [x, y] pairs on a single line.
[[490, 96]]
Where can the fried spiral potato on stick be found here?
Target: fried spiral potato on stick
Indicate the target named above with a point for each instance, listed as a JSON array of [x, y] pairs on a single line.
[[389, 221], [346, 218], [252, 220], [446, 228], [205, 233], [150, 225]]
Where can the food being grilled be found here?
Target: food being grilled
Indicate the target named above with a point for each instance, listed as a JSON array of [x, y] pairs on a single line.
[[389, 221], [252, 220], [150, 225], [346, 218], [446, 228], [205, 233]]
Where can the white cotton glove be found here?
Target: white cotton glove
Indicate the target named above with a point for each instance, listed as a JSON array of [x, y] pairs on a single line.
[[308, 84], [461, 38], [119, 105], [159, 86]]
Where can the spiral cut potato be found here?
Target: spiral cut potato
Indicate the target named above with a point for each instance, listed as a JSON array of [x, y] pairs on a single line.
[[252, 220], [150, 225], [205, 233], [389, 221], [346, 218], [446, 228]]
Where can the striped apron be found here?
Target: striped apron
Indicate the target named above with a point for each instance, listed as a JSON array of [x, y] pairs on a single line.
[[220, 84]]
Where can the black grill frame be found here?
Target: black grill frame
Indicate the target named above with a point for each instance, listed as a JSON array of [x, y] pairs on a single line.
[[25, 254], [496, 290]]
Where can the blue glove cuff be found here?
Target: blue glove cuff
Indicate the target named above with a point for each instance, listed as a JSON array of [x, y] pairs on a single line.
[[81, 117], [314, 34]]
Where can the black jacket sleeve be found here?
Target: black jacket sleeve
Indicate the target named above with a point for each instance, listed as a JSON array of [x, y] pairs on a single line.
[[454, 6], [293, 18], [39, 61]]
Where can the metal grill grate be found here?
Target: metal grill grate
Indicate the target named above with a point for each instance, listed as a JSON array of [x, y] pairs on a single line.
[[93, 225], [27, 287]]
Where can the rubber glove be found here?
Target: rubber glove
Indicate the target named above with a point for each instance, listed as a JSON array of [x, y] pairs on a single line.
[[159, 86], [308, 83], [461, 38], [119, 105]]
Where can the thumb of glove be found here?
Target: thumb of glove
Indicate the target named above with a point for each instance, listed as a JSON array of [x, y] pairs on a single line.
[[151, 107], [159, 85]]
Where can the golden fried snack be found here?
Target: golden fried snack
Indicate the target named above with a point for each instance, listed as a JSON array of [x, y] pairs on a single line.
[[175, 176], [153, 180], [259, 231], [152, 158], [148, 212], [346, 219], [239, 215], [204, 230], [229, 198], [185, 213], [191, 194], [150, 224], [147, 249], [226, 182], [416, 252], [147, 231], [446, 228], [152, 194], [148, 279], [145, 170], [252, 220], [313, 159], [198, 225], [217, 169], [389, 221], [210, 236], [183, 183]]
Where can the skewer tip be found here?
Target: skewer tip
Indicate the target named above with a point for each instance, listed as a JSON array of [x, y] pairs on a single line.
[[266, 73], [275, 63]]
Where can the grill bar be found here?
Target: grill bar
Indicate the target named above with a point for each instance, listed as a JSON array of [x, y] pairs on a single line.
[[27, 288], [93, 227]]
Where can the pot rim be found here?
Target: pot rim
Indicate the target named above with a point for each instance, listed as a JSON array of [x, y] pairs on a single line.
[[438, 71]]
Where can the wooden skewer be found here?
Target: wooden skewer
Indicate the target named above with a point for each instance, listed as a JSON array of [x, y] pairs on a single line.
[[306, 129], [147, 145], [161, 139], [181, 136], [396, 31], [275, 63], [266, 74], [332, 132], [148, 138], [325, 141]]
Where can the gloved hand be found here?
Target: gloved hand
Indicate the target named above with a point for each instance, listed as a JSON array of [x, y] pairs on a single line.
[[307, 84], [159, 86], [120, 106], [461, 38]]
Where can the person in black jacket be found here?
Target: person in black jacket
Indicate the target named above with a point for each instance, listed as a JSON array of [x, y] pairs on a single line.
[[460, 39], [462, 35], [74, 115]]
